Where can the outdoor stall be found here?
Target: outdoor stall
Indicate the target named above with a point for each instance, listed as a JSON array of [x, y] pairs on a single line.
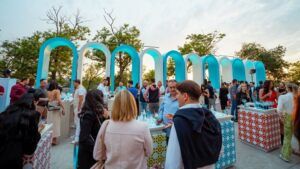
[[41, 158], [159, 140], [228, 153], [259, 126]]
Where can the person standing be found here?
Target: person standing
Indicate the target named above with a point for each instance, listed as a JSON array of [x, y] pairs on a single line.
[[153, 97], [19, 134], [285, 108], [168, 108], [281, 89], [223, 97], [195, 138], [42, 105], [92, 115], [79, 97], [18, 90], [55, 109], [296, 122], [123, 141], [257, 89], [233, 92], [143, 100], [212, 97], [243, 95], [204, 96], [252, 91], [134, 91], [120, 87], [268, 94], [161, 88], [104, 88]]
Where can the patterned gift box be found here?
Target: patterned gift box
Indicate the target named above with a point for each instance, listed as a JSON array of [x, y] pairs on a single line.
[[228, 154], [159, 149], [259, 129]]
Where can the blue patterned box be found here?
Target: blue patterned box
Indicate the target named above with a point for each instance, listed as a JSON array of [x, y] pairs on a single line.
[[228, 155]]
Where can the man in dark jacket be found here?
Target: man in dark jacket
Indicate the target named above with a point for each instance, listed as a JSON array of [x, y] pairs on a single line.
[[195, 138]]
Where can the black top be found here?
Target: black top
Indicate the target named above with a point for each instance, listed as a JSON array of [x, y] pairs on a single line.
[[153, 95], [199, 136], [90, 124], [23, 141], [242, 96], [211, 92], [223, 95]]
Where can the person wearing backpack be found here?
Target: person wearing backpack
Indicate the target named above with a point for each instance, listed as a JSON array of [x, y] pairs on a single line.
[[195, 139]]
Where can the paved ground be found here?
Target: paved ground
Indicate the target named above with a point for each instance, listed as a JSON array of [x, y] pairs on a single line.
[[247, 157]]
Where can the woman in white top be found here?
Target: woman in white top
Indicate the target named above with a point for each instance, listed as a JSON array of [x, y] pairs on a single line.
[[285, 108]]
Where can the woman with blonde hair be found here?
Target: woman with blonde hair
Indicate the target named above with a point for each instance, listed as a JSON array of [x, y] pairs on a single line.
[[123, 142]]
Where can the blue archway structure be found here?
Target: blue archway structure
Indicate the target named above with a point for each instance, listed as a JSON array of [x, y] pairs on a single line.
[[260, 71], [226, 69], [135, 75], [155, 54], [213, 70], [196, 65], [44, 58], [238, 70], [179, 66], [91, 46]]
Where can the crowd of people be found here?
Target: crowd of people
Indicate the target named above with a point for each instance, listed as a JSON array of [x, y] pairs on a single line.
[[116, 139]]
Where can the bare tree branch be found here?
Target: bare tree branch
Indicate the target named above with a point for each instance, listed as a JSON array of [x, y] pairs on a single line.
[[110, 20]]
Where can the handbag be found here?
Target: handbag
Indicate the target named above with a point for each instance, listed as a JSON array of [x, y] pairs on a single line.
[[53, 105], [100, 164]]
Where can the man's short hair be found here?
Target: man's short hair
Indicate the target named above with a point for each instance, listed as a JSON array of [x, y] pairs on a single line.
[[42, 80], [234, 81], [172, 80], [23, 79], [77, 81], [190, 87], [130, 82]]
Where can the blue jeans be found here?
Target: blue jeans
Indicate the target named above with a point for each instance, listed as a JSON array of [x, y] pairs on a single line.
[[234, 109], [143, 106]]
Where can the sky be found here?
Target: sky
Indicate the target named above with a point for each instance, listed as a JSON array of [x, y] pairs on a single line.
[[166, 23]]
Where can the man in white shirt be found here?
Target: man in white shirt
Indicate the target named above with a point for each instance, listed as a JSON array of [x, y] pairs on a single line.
[[79, 97], [195, 139], [161, 88], [104, 87], [285, 108]]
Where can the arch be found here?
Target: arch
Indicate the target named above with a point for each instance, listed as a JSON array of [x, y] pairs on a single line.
[[260, 71], [179, 66], [248, 66], [226, 69], [196, 64], [156, 55], [44, 58], [94, 45], [135, 75], [213, 70], [238, 69]]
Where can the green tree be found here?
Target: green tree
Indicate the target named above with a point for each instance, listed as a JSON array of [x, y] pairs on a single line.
[[69, 27], [294, 72], [21, 55], [272, 59], [149, 75], [93, 76], [200, 44], [113, 37]]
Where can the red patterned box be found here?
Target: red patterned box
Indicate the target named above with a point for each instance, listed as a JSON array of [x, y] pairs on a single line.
[[258, 128]]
